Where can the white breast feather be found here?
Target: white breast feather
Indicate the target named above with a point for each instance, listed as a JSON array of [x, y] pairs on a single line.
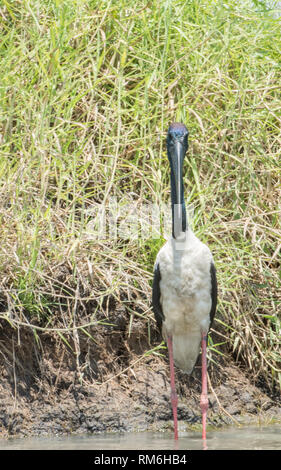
[[185, 288]]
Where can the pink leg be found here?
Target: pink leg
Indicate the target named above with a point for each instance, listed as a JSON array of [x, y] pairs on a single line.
[[174, 398], [204, 395]]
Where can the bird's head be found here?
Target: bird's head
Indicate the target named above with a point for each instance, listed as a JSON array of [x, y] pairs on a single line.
[[177, 141]]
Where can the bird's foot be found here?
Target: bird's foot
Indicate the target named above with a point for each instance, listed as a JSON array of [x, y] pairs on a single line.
[[174, 402], [204, 405]]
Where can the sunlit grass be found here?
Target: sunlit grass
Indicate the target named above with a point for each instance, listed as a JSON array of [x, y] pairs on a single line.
[[87, 92]]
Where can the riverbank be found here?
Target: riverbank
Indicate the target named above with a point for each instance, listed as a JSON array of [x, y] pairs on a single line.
[[42, 392]]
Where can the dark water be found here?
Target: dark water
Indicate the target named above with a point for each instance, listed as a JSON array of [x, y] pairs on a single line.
[[254, 438]]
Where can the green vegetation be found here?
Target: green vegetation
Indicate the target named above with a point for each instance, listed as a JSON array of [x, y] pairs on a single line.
[[88, 89]]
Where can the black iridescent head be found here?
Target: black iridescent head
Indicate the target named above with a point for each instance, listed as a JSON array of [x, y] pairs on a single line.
[[177, 134]]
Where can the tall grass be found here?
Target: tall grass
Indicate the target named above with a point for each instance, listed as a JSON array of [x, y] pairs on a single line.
[[88, 90]]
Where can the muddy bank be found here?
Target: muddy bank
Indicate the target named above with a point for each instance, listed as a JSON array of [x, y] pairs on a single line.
[[107, 383]]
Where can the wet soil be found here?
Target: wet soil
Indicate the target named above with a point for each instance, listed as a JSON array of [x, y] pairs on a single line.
[[106, 380]]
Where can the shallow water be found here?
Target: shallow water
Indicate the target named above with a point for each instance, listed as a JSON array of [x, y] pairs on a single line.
[[253, 438]]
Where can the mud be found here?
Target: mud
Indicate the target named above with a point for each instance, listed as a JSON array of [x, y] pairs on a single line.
[[109, 382]]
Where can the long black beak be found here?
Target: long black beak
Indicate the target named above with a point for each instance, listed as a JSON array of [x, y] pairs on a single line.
[[176, 161]]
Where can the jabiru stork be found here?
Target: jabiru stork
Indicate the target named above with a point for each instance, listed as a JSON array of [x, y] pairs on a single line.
[[184, 291]]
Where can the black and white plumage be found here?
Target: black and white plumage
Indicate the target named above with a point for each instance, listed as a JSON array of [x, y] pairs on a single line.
[[184, 297], [184, 294]]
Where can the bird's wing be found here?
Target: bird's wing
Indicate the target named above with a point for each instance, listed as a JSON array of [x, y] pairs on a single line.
[[156, 305], [214, 292]]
